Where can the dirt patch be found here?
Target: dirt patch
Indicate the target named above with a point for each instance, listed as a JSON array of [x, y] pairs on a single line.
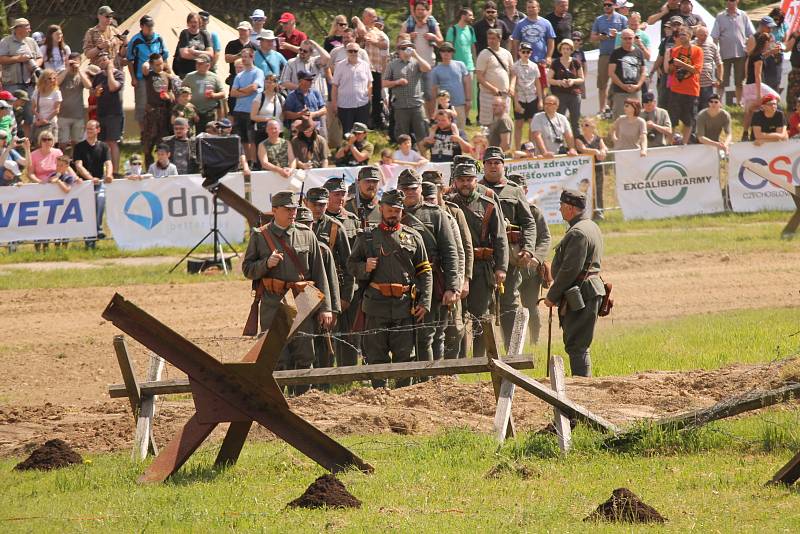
[[54, 454], [512, 468], [625, 506], [327, 491]]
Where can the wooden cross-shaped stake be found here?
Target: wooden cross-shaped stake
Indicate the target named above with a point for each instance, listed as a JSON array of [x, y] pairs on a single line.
[[239, 393]]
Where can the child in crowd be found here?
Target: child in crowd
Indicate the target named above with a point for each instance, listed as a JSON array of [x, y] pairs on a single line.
[[162, 167], [6, 118], [479, 145], [133, 168], [184, 108], [64, 177], [405, 155], [794, 119], [389, 170], [443, 102]]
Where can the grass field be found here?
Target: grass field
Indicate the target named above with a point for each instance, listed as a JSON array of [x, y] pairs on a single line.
[[711, 480]]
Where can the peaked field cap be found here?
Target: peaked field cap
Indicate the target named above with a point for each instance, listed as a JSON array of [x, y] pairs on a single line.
[[394, 198], [284, 199], [573, 198]]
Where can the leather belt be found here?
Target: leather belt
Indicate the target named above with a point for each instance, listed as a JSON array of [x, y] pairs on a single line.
[[484, 253], [276, 286], [391, 290]]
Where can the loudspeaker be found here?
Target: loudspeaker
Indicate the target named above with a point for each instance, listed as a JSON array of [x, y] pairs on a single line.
[[218, 155]]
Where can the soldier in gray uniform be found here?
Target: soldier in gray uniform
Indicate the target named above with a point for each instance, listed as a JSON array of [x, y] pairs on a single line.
[[346, 345], [520, 230], [285, 256], [391, 260], [576, 264], [449, 335], [532, 274], [366, 207], [490, 246], [331, 232], [432, 223]]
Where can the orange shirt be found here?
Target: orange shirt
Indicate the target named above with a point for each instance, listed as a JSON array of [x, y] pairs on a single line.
[[690, 85]]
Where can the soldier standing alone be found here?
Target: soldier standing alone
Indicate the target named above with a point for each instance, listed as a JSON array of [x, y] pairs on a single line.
[[576, 264], [391, 259]]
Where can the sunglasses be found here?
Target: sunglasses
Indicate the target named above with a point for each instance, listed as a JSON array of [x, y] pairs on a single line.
[[524, 51], [304, 51], [47, 138], [491, 12], [586, 125], [343, 24], [352, 51]]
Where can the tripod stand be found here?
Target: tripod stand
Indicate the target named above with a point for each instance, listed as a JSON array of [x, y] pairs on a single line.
[[219, 260]]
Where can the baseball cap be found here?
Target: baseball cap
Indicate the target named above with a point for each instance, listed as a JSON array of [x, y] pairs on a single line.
[[525, 46], [768, 21], [181, 121], [577, 35], [359, 127], [768, 98], [675, 19], [7, 96], [204, 15], [12, 166], [305, 75], [258, 14], [405, 44], [147, 20], [625, 3], [445, 46], [648, 97], [225, 123], [244, 25], [287, 17], [4, 105], [105, 11], [185, 89], [528, 146]]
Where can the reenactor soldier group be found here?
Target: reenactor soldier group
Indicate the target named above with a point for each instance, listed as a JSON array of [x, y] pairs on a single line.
[[403, 275]]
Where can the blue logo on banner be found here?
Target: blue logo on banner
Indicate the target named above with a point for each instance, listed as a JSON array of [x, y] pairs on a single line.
[[156, 213]]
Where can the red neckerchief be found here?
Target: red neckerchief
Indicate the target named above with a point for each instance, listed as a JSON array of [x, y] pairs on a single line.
[[386, 228]]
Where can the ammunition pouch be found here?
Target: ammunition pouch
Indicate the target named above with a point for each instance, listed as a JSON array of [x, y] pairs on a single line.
[[279, 287], [484, 253], [391, 290]]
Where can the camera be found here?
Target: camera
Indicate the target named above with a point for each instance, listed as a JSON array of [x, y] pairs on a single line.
[[651, 136], [681, 75], [348, 135], [559, 140], [19, 140], [122, 35]]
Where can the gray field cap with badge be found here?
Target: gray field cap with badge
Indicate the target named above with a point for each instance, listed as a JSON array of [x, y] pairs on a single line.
[[370, 172], [409, 178], [393, 198], [335, 185], [317, 195], [284, 199], [465, 169], [573, 198]]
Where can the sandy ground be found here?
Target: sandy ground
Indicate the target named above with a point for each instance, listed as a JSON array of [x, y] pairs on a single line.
[[56, 356]]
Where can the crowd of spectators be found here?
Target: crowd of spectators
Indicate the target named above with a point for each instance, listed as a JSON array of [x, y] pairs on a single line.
[[298, 104]]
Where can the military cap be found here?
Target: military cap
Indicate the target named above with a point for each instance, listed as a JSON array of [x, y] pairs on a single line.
[[429, 190], [432, 177], [409, 178], [493, 152], [370, 172], [304, 215], [335, 184], [465, 169], [573, 198], [516, 178], [284, 199], [394, 198], [317, 195]]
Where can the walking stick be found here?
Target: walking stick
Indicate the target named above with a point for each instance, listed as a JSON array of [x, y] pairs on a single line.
[[549, 339]]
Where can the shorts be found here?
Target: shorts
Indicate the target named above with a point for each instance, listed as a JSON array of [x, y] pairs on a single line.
[[70, 130], [749, 93], [140, 97], [738, 71], [111, 127], [243, 127], [529, 109], [682, 108], [602, 71]]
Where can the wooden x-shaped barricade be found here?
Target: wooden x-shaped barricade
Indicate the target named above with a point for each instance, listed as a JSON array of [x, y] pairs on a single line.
[[239, 393]]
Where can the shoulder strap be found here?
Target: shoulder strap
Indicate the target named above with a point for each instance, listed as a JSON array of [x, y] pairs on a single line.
[[485, 224], [505, 68], [334, 235], [286, 248], [427, 230]]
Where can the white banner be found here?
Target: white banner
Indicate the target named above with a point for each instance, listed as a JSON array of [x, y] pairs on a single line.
[[669, 182], [169, 212], [266, 183], [548, 177], [44, 211], [750, 192]]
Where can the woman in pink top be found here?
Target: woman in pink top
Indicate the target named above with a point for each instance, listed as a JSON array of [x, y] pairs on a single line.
[[43, 159]]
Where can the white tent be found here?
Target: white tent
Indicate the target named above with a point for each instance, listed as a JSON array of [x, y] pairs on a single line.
[[170, 17], [589, 106]]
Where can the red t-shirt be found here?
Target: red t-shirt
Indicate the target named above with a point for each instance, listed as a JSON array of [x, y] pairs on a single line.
[[794, 124], [693, 55], [295, 39]]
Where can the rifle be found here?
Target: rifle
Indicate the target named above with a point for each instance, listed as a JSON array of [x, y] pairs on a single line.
[[497, 292], [360, 319], [302, 189]]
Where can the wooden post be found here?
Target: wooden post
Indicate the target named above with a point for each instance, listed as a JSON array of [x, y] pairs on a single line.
[[561, 421], [492, 353], [144, 440], [504, 390], [789, 473], [128, 374]]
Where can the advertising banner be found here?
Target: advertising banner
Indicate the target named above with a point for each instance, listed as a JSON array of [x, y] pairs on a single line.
[[668, 182], [750, 188], [546, 179], [44, 211], [169, 212]]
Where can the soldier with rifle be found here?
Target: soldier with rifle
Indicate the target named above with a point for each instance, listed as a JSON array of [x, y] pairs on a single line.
[[520, 231], [490, 246], [331, 232], [577, 288], [449, 333], [390, 260], [537, 274], [365, 202], [432, 223], [285, 256], [347, 345]]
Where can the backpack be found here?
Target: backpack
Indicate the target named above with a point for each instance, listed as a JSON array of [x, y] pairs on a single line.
[[432, 24]]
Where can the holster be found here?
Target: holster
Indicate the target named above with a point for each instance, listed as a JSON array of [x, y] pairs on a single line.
[[545, 274], [251, 325], [484, 253], [279, 287], [391, 290], [607, 303], [513, 236]]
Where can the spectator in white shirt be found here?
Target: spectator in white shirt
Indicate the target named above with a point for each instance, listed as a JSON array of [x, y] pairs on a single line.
[[351, 89]]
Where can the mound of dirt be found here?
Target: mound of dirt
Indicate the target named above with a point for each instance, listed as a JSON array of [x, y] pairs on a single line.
[[624, 505], [511, 468], [326, 491], [54, 454]]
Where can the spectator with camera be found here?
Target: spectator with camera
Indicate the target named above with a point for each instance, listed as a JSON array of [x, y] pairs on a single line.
[[604, 32], [712, 122], [626, 69], [356, 150], [104, 38], [550, 131], [71, 117], [685, 65], [275, 153], [403, 78], [659, 125], [492, 70], [629, 131], [20, 59], [669, 10]]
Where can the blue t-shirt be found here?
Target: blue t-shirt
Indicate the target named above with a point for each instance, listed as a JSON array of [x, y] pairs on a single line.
[[270, 63], [535, 33], [451, 78], [243, 79], [602, 24], [215, 44], [296, 101], [139, 50]]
